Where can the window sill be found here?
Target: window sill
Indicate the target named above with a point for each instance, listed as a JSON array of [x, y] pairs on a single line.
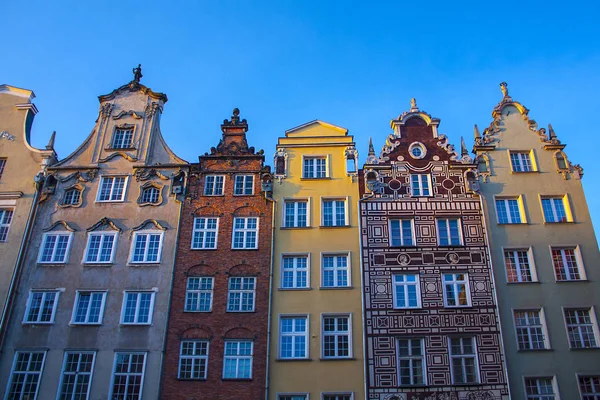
[[325, 178], [134, 325], [294, 289], [335, 226], [583, 348], [91, 264], [336, 287], [521, 283], [558, 222], [192, 379], [203, 249], [240, 312], [155, 264], [469, 306], [129, 148], [37, 323], [243, 195], [109, 201], [337, 359], [246, 249], [193, 311], [295, 227], [40, 264], [399, 246], [293, 359], [534, 350], [78, 324], [513, 223], [451, 245], [524, 172], [213, 195], [572, 281], [237, 379]]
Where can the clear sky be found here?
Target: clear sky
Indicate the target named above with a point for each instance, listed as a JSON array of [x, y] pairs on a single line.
[[284, 63]]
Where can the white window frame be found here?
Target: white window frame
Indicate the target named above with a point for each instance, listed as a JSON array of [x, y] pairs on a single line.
[[154, 198], [124, 131], [530, 327], [243, 293], [39, 313], [102, 235], [128, 374], [245, 230], [45, 237], [402, 241], [293, 335], [78, 294], [593, 324], [147, 232], [519, 268], [112, 188], [565, 269], [410, 358], [564, 199], [336, 334], [334, 219], [313, 168], [29, 375], [215, 190], [596, 388], [291, 396], [199, 292], [418, 191], [455, 284], [194, 358], [2, 166], [294, 270], [238, 357], [72, 190], [336, 269], [521, 163], [405, 284], [136, 315], [447, 227], [4, 225], [474, 355], [205, 231], [337, 395], [509, 218], [244, 178], [295, 202], [77, 374], [540, 395]]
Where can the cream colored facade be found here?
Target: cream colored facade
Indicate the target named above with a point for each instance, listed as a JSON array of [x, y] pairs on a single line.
[[311, 172], [19, 165], [534, 290]]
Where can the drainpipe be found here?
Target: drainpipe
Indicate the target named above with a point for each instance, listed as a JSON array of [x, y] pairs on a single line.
[[270, 198], [16, 275]]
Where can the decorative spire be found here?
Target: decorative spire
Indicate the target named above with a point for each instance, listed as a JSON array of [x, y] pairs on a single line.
[[371, 148], [137, 74], [504, 88], [463, 147], [476, 133], [413, 105], [50, 145], [235, 121], [551, 132]]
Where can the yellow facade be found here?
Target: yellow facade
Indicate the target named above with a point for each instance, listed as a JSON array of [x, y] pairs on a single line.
[[327, 243]]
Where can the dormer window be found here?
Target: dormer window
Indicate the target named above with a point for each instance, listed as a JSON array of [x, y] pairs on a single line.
[[150, 195], [122, 138], [72, 197]]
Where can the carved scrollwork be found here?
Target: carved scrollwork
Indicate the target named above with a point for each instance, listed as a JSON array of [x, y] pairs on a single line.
[[6, 135], [154, 222], [81, 176], [143, 174], [104, 222], [134, 114], [106, 110], [57, 223], [444, 144]]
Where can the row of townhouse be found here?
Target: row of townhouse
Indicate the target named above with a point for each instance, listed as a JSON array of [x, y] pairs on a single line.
[[129, 273]]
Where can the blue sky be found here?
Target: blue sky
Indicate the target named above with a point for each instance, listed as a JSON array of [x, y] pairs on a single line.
[[283, 63]]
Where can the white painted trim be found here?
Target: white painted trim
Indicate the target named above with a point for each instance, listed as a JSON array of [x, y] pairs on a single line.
[[348, 255], [214, 186], [235, 177], [62, 372], [12, 370], [212, 293], [308, 270], [394, 296], [112, 251], [306, 336], [54, 307], [101, 315], [421, 339], [137, 307], [123, 194], [194, 231], [112, 376], [160, 246], [350, 339], [233, 231], [238, 357], [67, 251]]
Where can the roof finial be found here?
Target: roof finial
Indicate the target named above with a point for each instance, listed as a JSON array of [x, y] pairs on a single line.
[[476, 132], [504, 88], [235, 118], [371, 148], [551, 131], [137, 73], [413, 105], [463, 147], [50, 145]]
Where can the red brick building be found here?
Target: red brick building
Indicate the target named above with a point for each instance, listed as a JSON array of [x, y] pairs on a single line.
[[217, 335]]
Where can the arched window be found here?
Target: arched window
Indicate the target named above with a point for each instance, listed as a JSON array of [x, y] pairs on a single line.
[[150, 195], [561, 160]]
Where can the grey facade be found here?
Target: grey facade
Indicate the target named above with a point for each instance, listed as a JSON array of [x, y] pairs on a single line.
[[90, 315]]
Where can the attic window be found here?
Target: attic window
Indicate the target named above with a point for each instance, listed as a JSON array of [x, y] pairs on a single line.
[[150, 194], [280, 165], [122, 138], [72, 197], [561, 160]]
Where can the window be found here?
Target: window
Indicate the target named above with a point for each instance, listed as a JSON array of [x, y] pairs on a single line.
[[122, 138], [2, 166], [420, 185], [100, 247], [244, 185], [337, 396], [213, 185], [334, 213], [463, 360], [55, 248], [198, 294], [407, 293], [237, 362], [530, 330], [554, 209], [336, 336], [72, 197], [5, 219], [137, 308], [112, 188], [589, 387], [581, 328], [566, 266], [193, 359], [521, 161], [293, 337], [296, 214], [241, 294], [147, 247], [336, 271], [292, 397], [315, 167], [411, 368], [508, 211], [41, 307], [456, 290], [150, 195], [25, 375], [205, 233], [540, 388], [245, 231], [518, 267], [401, 232], [128, 376], [89, 308], [76, 377], [294, 272], [449, 232]]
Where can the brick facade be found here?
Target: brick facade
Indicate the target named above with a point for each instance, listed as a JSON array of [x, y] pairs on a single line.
[[230, 158]]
